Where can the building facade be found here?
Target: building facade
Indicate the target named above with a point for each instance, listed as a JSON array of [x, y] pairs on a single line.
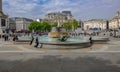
[[12, 24], [95, 24], [59, 16], [115, 22], [3, 20], [19, 23]]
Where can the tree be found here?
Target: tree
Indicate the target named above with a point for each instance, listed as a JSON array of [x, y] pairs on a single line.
[[67, 26], [55, 24], [46, 26], [37, 26], [34, 26], [75, 24]]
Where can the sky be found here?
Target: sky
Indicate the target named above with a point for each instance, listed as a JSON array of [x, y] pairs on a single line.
[[81, 9]]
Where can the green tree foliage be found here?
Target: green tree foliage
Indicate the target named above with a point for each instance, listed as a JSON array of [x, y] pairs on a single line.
[[75, 24], [37, 26], [34, 26], [46, 26], [67, 25], [55, 24]]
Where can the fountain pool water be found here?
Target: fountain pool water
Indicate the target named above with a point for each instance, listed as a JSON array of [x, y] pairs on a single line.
[[71, 39], [72, 42]]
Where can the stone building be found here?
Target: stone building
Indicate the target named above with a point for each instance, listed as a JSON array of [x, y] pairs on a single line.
[[115, 22], [59, 16], [3, 20], [95, 24], [20, 23], [12, 24]]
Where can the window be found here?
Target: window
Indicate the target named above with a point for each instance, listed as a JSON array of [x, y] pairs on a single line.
[[3, 22]]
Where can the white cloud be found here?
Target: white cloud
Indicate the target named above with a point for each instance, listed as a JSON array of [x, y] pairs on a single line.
[[79, 8]]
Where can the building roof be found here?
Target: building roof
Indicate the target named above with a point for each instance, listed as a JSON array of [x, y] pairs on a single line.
[[63, 13], [20, 18], [96, 20]]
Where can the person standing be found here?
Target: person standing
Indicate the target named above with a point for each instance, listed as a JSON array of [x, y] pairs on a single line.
[[15, 38], [5, 37], [36, 42], [91, 42], [32, 40]]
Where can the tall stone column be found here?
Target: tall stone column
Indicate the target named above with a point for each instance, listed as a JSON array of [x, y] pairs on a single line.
[[3, 19], [0, 5]]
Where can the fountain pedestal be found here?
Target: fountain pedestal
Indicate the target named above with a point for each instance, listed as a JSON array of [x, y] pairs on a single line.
[[57, 32]]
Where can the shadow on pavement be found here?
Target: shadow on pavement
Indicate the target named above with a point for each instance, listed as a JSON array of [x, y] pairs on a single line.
[[58, 64]]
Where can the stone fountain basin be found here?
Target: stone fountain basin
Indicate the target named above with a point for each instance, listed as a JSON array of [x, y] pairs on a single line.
[[67, 44], [100, 39]]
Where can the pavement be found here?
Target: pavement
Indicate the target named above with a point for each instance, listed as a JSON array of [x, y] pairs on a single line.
[[112, 46], [26, 58]]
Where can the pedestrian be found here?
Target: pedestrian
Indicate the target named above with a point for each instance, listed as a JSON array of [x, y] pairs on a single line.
[[91, 41], [5, 38], [14, 38], [32, 40], [36, 42]]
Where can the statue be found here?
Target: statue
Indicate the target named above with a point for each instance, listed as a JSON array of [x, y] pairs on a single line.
[[63, 38], [58, 31]]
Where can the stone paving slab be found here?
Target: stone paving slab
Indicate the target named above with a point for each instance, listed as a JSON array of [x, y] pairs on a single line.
[[9, 48], [26, 58], [82, 62]]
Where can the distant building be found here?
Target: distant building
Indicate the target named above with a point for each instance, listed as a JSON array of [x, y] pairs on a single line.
[[19, 23], [12, 24], [59, 16], [95, 24], [115, 22], [81, 24], [3, 20]]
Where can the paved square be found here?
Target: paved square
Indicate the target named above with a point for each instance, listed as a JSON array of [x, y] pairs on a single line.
[[26, 58]]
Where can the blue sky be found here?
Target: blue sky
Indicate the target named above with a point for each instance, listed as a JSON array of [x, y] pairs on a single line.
[[81, 9]]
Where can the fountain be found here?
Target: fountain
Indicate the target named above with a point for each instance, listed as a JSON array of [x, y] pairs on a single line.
[[59, 38], [58, 31]]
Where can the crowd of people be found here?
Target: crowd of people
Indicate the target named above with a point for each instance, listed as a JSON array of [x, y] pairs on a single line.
[[35, 40], [5, 37], [115, 34]]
